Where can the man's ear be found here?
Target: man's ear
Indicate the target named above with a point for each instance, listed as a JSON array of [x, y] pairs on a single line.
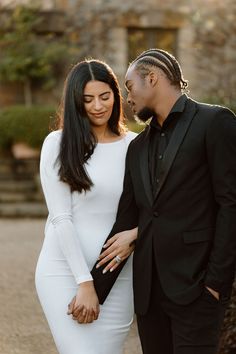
[[153, 78]]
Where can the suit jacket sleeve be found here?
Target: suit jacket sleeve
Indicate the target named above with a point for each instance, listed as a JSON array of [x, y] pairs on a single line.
[[221, 149], [126, 219]]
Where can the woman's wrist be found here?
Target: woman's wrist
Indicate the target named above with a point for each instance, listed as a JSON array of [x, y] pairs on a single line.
[[87, 284], [134, 235]]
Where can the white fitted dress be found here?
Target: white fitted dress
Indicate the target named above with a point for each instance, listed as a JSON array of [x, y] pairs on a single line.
[[77, 226]]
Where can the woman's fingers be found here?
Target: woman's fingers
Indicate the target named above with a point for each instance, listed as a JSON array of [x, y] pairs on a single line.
[[110, 241], [71, 306], [79, 310], [90, 317], [80, 314], [96, 311], [107, 251], [83, 315], [111, 256], [87, 316], [114, 264], [81, 318]]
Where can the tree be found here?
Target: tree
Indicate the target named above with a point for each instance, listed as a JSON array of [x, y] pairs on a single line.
[[25, 56]]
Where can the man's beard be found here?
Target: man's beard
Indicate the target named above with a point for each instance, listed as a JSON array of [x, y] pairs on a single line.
[[144, 114]]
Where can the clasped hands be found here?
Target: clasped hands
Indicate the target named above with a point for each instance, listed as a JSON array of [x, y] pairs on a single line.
[[84, 307]]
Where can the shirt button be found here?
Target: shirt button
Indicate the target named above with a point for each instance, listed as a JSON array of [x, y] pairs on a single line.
[[162, 134], [156, 214], [158, 180], [160, 157]]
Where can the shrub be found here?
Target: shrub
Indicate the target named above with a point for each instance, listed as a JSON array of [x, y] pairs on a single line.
[[134, 126], [22, 124]]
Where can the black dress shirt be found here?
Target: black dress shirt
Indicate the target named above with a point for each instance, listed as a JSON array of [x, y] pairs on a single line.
[[159, 139]]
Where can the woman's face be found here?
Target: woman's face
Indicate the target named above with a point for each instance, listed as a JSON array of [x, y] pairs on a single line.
[[98, 102]]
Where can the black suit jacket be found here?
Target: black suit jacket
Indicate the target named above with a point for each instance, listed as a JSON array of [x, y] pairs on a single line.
[[189, 226]]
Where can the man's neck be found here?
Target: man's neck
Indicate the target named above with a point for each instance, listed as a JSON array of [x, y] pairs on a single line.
[[166, 104]]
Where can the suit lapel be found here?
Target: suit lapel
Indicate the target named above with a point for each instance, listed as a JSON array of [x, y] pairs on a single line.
[[175, 142], [143, 160]]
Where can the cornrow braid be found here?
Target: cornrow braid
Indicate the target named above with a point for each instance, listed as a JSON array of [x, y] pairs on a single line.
[[163, 60]]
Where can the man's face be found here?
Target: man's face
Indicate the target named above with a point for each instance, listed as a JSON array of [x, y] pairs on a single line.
[[139, 94]]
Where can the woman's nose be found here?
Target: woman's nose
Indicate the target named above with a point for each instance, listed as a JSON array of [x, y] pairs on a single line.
[[97, 104]]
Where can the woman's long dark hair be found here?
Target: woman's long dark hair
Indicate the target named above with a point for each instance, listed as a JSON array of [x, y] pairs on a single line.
[[78, 141]]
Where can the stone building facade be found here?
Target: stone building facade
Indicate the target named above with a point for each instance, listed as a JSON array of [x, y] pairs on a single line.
[[201, 33]]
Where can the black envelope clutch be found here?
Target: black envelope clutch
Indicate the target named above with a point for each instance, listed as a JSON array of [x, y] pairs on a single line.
[[104, 282]]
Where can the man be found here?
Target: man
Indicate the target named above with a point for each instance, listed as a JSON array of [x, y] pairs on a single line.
[[180, 189]]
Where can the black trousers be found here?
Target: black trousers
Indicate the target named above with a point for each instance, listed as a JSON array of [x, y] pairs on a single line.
[[169, 328]]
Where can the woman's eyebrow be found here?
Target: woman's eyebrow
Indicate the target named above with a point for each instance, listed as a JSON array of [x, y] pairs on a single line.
[[86, 95]]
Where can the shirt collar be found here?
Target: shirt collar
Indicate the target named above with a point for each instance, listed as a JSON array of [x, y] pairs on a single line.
[[178, 107], [179, 104]]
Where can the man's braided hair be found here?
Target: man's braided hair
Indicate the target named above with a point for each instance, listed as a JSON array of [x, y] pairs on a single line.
[[164, 61]]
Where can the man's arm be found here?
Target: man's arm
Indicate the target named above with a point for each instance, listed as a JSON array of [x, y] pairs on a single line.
[[221, 148], [126, 219], [127, 213]]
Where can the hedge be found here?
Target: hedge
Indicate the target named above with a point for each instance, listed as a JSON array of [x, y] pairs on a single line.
[[22, 124], [31, 125]]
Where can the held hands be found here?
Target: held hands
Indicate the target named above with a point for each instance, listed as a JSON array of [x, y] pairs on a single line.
[[118, 248], [84, 307]]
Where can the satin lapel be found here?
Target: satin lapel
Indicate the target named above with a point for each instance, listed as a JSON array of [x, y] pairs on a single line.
[[143, 160], [175, 142]]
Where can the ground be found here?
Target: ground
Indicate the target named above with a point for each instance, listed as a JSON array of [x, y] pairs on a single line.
[[23, 328]]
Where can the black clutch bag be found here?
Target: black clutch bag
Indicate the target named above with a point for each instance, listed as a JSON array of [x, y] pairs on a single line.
[[104, 282]]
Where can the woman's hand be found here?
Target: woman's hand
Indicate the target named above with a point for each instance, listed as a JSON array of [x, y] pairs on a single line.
[[84, 307], [118, 248]]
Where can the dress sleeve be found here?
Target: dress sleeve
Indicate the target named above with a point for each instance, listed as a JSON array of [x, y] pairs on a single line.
[[59, 203]]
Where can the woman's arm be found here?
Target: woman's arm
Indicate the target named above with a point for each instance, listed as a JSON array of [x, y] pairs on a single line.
[[58, 199]]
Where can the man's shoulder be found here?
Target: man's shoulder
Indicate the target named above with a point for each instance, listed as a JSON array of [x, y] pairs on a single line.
[[137, 142], [211, 108], [139, 137]]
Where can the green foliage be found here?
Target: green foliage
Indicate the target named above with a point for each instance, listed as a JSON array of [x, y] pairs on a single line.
[[22, 124], [135, 127], [26, 56]]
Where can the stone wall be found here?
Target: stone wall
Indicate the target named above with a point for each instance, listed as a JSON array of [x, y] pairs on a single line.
[[206, 46], [205, 37], [215, 49]]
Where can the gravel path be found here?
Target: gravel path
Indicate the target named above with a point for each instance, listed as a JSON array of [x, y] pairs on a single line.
[[23, 328]]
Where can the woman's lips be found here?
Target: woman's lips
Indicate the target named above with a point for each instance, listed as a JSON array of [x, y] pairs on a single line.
[[98, 115]]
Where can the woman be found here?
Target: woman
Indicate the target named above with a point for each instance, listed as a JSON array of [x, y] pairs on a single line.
[[82, 168]]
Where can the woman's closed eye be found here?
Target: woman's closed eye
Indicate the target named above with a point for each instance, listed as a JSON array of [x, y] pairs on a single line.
[[105, 96]]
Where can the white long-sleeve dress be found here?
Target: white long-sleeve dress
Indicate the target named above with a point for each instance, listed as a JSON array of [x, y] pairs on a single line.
[[76, 228]]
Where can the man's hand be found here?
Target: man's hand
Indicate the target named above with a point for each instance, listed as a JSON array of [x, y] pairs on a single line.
[[214, 293], [118, 248], [84, 307]]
